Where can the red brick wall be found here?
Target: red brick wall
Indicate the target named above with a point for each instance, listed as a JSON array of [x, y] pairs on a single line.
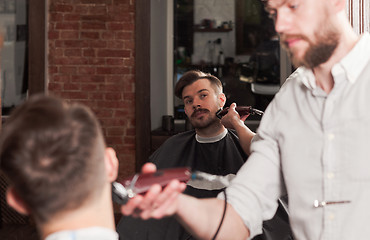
[[91, 50]]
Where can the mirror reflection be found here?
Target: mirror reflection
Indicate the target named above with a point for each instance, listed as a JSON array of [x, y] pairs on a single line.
[[233, 40], [14, 69]]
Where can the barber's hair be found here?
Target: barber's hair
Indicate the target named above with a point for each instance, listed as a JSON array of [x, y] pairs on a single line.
[[53, 155], [191, 76]]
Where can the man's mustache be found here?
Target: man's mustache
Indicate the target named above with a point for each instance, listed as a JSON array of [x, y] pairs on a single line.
[[285, 37], [199, 110]]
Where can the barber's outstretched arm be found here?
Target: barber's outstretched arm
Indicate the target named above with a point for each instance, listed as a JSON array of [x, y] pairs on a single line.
[[234, 121], [201, 217]]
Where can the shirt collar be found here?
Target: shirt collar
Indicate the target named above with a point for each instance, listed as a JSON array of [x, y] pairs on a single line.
[[211, 139], [306, 76], [349, 65]]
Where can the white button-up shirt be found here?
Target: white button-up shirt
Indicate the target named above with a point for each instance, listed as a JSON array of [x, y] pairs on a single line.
[[315, 146]]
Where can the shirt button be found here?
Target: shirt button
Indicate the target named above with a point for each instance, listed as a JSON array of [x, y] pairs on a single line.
[[331, 137], [330, 175], [331, 216]]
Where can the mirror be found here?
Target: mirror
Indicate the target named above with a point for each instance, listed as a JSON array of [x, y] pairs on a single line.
[[190, 34], [253, 26], [233, 40], [14, 69]]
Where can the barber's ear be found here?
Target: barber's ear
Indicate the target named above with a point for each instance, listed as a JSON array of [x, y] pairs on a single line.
[[222, 100], [13, 199], [111, 164]]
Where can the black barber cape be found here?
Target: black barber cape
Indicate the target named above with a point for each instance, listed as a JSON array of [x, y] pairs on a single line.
[[222, 157]]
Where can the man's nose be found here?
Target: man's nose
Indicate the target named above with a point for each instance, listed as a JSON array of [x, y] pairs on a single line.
[[196, 103], [196, 106], [282, 21]]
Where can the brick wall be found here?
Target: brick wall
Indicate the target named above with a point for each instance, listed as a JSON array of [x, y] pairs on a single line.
[[91, 60]]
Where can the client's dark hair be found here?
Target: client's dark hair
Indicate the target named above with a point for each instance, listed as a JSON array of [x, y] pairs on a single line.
[[194, 75], [53, 154]]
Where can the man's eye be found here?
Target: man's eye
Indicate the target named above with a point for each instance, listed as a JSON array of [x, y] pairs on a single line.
[[293, 6], [271, 12], [188, 101], [272, 15], [203, 95]]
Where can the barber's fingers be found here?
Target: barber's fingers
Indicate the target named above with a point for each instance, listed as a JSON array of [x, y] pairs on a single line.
[[156, 203], [168, 204], [231, 118], [148, 168], [138, 203], [130, 207], [233, 106], [163, 204], [147, 205], [244, 117], [232, 112]]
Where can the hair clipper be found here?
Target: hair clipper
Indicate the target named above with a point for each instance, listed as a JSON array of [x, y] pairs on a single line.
[[140, 183], [242, 110]]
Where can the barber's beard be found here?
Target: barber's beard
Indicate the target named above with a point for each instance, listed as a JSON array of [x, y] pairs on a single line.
[[207, 120], [321, 51], [317, 53]]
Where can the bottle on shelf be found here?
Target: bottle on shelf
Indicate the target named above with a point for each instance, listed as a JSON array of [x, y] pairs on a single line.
[[221, 58], [210, 52], [220, 62]]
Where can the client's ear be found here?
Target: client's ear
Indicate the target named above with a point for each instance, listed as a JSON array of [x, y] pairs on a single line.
[[15, 201], [222, 100], [111, 164]]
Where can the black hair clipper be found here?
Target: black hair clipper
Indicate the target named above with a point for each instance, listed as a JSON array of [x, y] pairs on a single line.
[[242, 110]]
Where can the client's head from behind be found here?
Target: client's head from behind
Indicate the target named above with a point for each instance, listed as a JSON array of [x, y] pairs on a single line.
[[55, 158]]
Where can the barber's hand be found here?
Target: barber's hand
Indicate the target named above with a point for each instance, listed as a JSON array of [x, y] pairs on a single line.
[[232, 118], [157, 202]]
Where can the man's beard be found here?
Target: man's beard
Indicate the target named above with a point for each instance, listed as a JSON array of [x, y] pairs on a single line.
[[317, 53], [203, 123]]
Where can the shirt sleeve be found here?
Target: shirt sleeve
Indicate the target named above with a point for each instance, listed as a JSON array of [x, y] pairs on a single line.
[[254, 191]]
